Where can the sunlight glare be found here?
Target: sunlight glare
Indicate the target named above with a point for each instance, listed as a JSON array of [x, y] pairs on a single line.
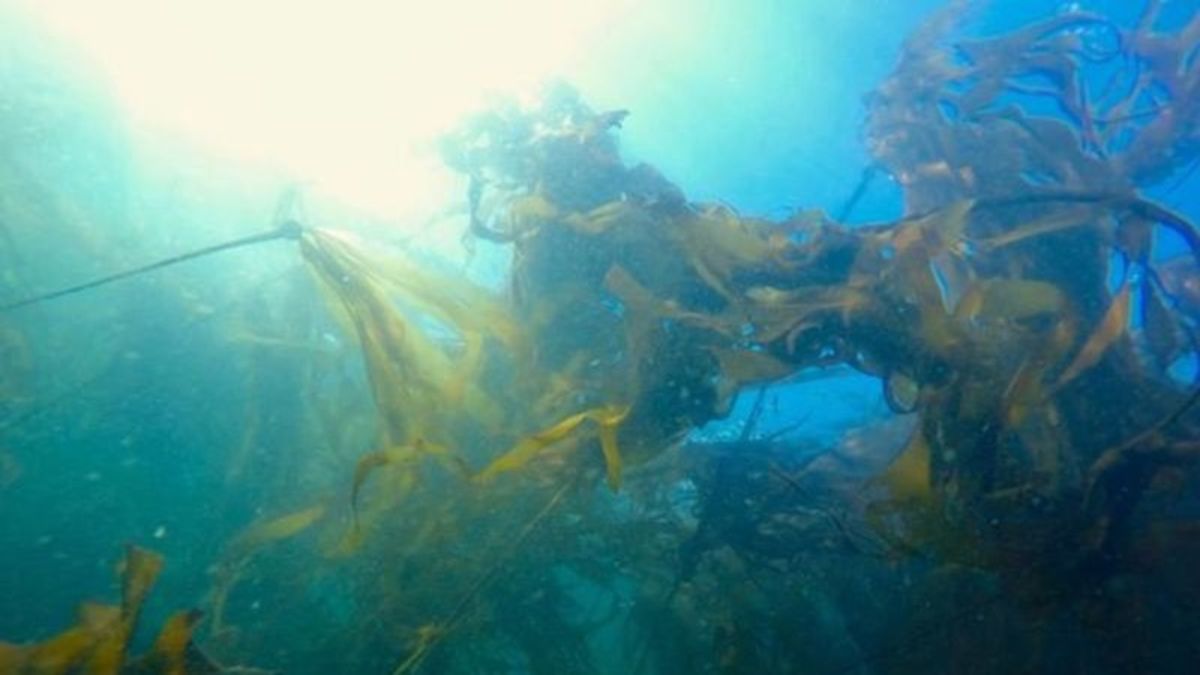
[[348, 96]]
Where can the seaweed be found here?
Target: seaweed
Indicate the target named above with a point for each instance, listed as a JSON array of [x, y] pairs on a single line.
[[1025, 294], [98, 644]]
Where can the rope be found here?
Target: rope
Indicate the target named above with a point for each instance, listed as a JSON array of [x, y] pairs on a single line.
[[288, 230]]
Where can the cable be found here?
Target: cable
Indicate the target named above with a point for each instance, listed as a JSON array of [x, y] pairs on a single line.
[[288, 230]]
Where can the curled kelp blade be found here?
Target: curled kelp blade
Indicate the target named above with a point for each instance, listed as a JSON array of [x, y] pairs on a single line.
[[606, 418], [530, 447], [399, 456]]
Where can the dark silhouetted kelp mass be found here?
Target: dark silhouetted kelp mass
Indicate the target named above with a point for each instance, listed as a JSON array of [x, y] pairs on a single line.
[[429, 474]]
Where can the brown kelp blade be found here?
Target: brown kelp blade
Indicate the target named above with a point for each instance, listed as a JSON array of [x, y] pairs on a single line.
[[607, 418], [372, 461], [420, 380], [909, 477], [530, 447], [98, 643], [1110, 329], [139, 571]]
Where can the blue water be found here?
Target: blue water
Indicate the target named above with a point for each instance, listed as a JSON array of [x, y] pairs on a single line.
[[177, 409]]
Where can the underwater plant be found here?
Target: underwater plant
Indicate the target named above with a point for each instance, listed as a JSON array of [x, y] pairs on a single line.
[[517, 485]]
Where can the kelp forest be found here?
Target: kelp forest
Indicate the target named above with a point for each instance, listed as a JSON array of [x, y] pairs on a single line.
[[431, 472]]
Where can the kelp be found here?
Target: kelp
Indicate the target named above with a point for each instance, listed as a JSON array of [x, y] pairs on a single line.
[[403, 456], [98, 644], [909, 476], [413, 378], [988, 313], [1110, 329], [607, 419], [246, 544], [168, 655], [964, 308]]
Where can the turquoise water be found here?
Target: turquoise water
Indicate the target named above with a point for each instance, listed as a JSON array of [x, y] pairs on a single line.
[[797, 367]]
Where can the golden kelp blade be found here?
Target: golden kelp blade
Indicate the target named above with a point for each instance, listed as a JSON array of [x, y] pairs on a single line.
[[427, 636], [612, 456], [12, 658], [607, 418], [65, 652], [1111, 328], [1023, 392], [169, 654], [716, 242], [450, 299], [395, 455], [1010, 300], [1056, 221], [909, 478], [371, 461], [644, 308], [903, 258], [1026, 391], [740, 367], [176, 633], [139, 571], [774, 313], [728, 238], [98, 642], [417, 383], [60, 654], [382, 335], [276, 529], [744, 366], [529, 447]]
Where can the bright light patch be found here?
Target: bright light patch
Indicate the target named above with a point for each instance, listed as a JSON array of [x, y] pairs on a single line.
[[344, 94]]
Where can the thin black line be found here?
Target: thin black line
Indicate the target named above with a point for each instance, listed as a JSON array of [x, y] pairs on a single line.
[[288, 230]]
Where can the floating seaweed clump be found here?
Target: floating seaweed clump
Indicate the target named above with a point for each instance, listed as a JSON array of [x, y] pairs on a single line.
[[517, 483]]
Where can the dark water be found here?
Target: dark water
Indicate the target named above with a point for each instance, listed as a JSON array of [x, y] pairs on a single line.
[[864, 343]]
